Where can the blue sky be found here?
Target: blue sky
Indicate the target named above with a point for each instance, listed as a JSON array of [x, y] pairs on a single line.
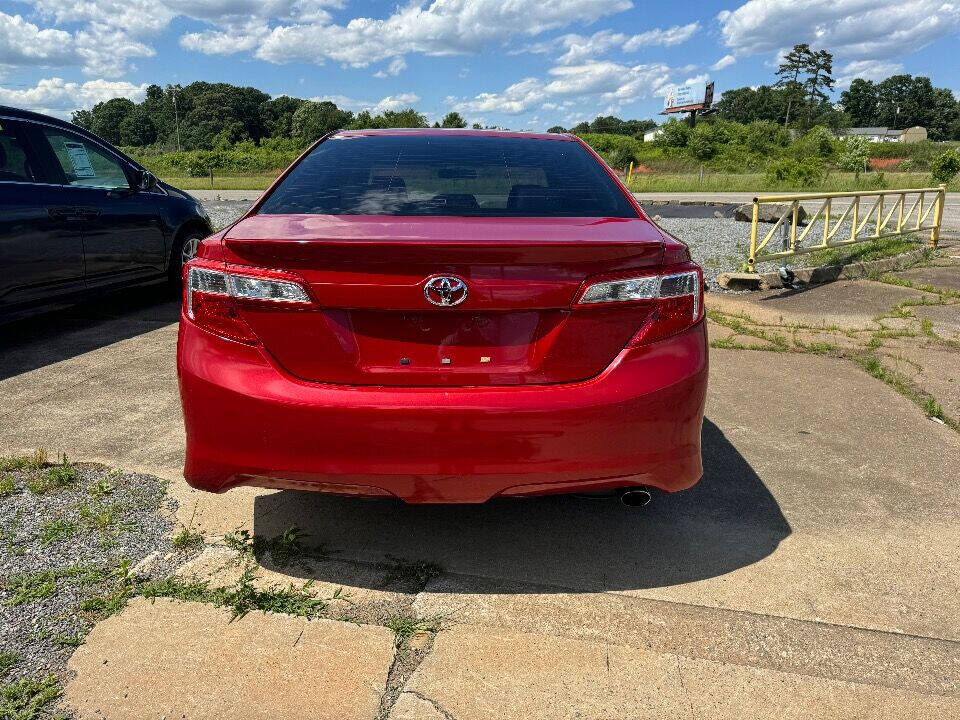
[[521, 64]]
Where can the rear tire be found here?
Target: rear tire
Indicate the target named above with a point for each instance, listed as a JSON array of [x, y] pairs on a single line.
[[184, 248]]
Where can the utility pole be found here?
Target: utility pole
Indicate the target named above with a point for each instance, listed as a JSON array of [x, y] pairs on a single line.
[[176, 115]]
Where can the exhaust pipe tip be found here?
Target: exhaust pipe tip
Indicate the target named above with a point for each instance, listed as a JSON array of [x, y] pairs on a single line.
[[636, 498]]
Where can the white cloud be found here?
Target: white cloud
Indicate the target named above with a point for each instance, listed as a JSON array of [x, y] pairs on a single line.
[[614, 83], [579, 48], [396, 66], [671, 36], [724, 62], [858, 29], [400, 101], [55, 96], [866, 69], [444, 27], [23, 43]]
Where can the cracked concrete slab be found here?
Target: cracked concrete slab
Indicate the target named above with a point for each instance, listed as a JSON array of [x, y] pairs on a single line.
[[476, 672], [835, 652], [851, 305], [187, 660]]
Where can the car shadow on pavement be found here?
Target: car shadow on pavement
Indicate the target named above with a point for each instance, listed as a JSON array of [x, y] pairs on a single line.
[[57, 335], [547, 544]]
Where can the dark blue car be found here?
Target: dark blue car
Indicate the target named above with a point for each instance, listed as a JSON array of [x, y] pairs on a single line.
[[78, 216]]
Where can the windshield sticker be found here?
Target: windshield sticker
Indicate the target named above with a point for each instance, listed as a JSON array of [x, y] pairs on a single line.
[[79, 159]]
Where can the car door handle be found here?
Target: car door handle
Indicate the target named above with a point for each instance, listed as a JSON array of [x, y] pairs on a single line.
[[89, 212], [64, 212]]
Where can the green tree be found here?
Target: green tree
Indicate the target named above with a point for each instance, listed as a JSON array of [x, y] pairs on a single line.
[[819, 81], [746, 105], [556, 129], [860, 101], [313, 120], [453, 120], [408, 118], [138, 128], [796, 63], [277, 115], [108, 116], [82, 118]]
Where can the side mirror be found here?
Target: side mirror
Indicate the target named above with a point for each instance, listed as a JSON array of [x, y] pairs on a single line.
[[148, 181]]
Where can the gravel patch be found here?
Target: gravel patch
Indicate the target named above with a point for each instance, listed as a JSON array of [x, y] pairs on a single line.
[[719, 245], [67, 553], [224, 212]]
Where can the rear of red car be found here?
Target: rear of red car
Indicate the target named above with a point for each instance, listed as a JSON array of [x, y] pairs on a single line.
[[443, 317]]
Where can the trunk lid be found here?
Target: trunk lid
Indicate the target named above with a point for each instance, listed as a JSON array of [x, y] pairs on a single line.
[[374, 325]]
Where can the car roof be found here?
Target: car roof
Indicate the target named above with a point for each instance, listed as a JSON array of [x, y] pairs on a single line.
[[458, 131], [20, 114], [30, 115]]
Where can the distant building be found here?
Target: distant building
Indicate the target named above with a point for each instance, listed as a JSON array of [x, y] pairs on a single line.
[[885, 135], [652, 135]]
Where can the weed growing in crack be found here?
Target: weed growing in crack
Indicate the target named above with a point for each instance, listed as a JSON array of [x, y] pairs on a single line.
[[187, 540], [284, 549], [7, 486], [405, 627], [243, 597], [411, 572]]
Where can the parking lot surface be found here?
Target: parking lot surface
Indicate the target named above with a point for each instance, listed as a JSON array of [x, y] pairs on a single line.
[[814, 572]]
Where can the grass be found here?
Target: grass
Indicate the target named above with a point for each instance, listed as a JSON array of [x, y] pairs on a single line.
[[7, 661], [57, 477], [26, 698], [30, 587], [778, 343], [757, 182], [7, 487], [57, 529], [256, 181], [35, 461], [862, 252], [243, 597]]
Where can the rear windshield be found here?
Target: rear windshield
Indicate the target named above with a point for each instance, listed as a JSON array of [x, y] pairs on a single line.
[[448, 175]]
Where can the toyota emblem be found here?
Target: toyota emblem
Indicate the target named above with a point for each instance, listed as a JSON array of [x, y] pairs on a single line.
[[445, 291]]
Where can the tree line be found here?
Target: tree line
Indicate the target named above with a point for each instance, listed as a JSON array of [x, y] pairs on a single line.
[[209, 116], [799, 99]]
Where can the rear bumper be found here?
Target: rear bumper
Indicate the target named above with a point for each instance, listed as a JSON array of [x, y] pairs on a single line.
[[250, 423]]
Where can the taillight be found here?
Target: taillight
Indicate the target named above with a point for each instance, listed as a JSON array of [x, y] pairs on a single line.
[[211, 296], [676, 297]]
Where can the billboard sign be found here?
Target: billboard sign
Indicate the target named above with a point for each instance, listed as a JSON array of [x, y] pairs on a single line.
[[696, 95]]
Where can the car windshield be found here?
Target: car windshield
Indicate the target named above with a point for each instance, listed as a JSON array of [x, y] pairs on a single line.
[[434, 174]]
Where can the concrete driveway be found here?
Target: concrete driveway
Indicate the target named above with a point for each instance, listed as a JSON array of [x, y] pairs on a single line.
[[814, 572]]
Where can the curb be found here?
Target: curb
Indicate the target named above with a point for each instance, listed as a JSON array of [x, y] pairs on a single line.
[[821, 274]]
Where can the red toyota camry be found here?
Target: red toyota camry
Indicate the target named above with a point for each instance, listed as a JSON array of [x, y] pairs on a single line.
[[443, 316]]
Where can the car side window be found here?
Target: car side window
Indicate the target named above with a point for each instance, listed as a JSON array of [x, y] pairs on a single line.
[[83, 163], [14, 163]]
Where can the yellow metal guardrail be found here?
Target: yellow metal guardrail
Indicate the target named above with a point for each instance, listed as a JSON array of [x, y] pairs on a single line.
[[900, 220]]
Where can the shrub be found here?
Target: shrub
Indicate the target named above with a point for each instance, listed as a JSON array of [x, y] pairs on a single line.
[[946, 166], [795, 173], [854, 152], [620, 157], [674, 134]]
